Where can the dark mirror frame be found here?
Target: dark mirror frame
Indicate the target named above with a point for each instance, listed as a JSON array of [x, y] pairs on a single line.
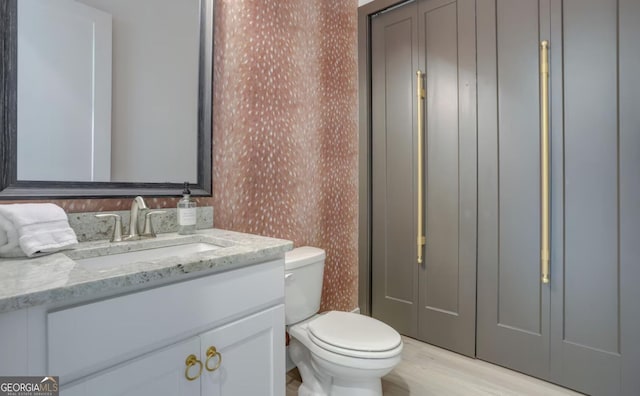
[[13, 189]]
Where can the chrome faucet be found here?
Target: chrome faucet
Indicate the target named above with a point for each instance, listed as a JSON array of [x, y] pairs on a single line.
[[136, 206]]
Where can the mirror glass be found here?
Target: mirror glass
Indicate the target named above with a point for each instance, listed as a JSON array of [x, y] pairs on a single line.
[[111, 93]]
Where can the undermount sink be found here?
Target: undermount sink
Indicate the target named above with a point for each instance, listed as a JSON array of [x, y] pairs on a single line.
[[148, 254]]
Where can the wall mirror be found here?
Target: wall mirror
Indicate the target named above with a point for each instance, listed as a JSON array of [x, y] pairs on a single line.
[[105, 98]]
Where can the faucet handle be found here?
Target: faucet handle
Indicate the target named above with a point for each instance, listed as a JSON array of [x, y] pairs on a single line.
[[117, 229], [148, 231]]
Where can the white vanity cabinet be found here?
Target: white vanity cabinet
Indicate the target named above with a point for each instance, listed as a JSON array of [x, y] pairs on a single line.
[[253, 355], [139, 343], [250, 349], [159, 373]]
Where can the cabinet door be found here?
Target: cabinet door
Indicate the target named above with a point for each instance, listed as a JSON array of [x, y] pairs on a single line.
[[252, 351], [513, 304], [160, 373]]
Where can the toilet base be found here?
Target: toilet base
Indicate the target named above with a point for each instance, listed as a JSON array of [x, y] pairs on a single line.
[[322, 378], [305, 391], [327, 370], [357, 388], [368, 388]]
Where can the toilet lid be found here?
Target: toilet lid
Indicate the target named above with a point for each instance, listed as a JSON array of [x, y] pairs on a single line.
[[354, 332]]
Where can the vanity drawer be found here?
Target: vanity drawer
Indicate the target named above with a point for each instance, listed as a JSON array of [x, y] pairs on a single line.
[[90, 337]]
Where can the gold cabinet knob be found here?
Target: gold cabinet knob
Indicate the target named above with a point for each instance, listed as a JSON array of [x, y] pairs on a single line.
[[211, 354], [191, 361]]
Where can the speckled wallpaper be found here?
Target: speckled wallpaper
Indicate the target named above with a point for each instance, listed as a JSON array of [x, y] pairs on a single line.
[[285, 131], [285, 141]]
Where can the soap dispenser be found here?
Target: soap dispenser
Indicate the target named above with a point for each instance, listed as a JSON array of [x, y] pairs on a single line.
[[186, 212]]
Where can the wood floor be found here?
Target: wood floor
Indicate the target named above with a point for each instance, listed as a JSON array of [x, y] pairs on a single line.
[[426, 370]]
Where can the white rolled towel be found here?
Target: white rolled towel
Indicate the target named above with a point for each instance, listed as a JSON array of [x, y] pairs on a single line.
[[34, 229]]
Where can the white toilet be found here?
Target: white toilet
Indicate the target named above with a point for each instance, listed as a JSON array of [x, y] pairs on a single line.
[[337, 353]]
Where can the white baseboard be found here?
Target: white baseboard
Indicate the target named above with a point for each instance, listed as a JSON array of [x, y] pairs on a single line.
[[356, 310]]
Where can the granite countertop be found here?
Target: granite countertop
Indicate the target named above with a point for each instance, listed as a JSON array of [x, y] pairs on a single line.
[[57, 277]]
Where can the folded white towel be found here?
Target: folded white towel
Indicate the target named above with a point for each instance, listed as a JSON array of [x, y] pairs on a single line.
[[34, 229], [9, 245]]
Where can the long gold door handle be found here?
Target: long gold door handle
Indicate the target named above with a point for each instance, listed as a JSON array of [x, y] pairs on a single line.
[[421, 240], [544, 162]]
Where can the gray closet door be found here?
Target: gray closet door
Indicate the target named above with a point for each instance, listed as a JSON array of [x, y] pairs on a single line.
[[582, 330], [435, 301], [394, 61], [629, 192], [447, 297], [513, 304], [589, 261]]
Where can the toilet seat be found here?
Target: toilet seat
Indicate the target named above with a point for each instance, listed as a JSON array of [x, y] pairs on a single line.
[[354, 335]]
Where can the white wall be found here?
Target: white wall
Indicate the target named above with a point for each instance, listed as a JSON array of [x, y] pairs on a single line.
[[361, 2], [155, 89]]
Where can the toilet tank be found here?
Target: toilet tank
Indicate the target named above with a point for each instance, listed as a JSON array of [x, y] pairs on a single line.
[[304, 267]]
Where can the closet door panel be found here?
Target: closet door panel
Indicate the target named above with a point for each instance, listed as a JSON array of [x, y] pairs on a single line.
[[519, 167], [447, 293], [487, 179], [513, 304], [394, 267], [467, 177], [629, 57], [591, 174], [435, 301], [441, 286], [585, 353]]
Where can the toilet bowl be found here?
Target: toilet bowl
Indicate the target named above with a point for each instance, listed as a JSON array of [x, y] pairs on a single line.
[[337, 353]]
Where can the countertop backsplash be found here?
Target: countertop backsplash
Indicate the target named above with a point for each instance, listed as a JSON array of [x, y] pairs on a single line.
[[90, 228]]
